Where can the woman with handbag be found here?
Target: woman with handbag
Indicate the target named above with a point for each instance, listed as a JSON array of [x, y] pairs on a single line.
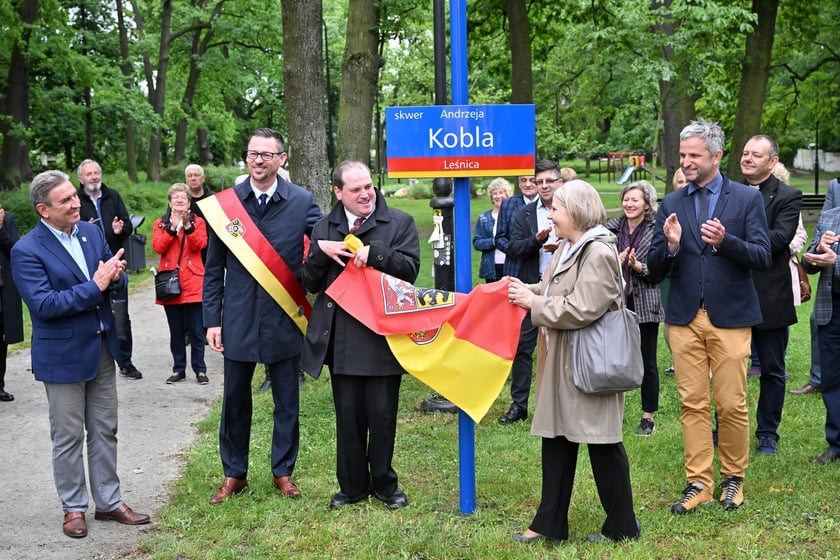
[[580, 285], [178, 237], [634, 231]]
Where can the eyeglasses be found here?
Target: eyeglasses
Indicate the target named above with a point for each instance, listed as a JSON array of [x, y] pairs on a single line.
[[179, 197], [251, 155], [541, 182]]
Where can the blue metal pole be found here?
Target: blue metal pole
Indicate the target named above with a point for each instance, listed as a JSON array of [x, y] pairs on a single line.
[[463, 252]]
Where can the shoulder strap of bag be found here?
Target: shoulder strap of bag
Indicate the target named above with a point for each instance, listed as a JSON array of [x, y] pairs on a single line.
[[181, 251], [615, 252]]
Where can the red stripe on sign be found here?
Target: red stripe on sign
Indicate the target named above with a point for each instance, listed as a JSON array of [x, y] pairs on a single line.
[[460, 163]]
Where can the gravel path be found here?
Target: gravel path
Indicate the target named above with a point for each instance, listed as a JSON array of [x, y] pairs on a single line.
[[156, 425]]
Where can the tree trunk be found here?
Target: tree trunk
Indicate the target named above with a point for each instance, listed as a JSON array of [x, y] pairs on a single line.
[[522, 88], [155, 142], [14, 102], [755, 74], [677, 104], [128, 83], [205, 156], [359, 81], [303, 84]]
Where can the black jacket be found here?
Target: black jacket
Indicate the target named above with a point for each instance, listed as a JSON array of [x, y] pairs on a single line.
[[333, 337], [9, 297], [775, 293], [111, 205]]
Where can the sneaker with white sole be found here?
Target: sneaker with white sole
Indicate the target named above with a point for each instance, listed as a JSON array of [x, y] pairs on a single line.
[[175, 378], [695, 494], [732, 494]]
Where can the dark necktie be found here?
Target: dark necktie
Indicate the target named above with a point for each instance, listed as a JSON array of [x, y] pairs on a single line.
[[703, 205], [356, 225], [263, 203]]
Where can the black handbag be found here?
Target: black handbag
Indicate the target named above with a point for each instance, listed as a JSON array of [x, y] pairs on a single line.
[[167, 283]]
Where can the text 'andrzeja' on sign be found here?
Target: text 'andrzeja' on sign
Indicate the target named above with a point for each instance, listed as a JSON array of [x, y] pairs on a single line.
[[460, 140]]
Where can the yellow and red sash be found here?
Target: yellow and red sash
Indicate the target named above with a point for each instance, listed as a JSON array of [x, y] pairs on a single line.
[[227, 216]]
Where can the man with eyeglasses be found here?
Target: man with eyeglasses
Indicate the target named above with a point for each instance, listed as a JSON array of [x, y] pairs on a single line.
[[522, 234], [254, 308]]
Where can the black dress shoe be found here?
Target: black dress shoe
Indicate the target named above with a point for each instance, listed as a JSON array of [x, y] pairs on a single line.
[[828, 457], [6, 397], [514, 414], [396, 500], [520, 538], [341, 499]]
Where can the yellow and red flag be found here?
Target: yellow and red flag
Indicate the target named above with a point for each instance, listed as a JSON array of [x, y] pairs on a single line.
[[460, 345]]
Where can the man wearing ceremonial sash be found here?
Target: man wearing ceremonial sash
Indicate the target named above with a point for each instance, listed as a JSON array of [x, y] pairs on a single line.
[[254, 308], [364, 373]]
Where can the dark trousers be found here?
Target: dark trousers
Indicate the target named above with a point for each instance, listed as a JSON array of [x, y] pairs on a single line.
[[611, 471], [365, 426], [770, 345], [4, 351], [186, 317], [650, 381], [119, 306], [829, 339], [523, 363], [237, 407]]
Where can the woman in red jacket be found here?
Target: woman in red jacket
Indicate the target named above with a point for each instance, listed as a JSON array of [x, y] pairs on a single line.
[[179, 236]]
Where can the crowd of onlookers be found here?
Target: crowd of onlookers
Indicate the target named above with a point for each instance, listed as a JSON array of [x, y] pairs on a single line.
[[715, 262]]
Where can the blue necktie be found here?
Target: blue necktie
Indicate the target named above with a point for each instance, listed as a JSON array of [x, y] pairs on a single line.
[[703, 205], [263, 203]]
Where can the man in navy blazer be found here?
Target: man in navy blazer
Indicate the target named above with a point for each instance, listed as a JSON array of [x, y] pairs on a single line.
[[246, 323], [710, 236], [64, 271]]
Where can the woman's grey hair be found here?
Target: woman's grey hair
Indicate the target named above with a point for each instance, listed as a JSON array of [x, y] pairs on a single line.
[[178, 187], [43, 183], [582, 202], [499, 184], [711, 133], [648, 194]]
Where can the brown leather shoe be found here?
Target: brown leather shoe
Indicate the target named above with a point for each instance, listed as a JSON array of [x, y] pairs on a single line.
[[124, 515], [229, 487], [808, 388], [75, 525], [286, 486]]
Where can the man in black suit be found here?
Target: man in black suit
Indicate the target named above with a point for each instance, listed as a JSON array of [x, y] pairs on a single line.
[[364, 373], [775, 294], [522, 239]]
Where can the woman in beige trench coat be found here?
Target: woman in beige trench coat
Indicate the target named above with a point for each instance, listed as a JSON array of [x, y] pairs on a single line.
[[579, 286]]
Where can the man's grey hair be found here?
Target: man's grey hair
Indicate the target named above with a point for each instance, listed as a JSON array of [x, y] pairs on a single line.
[[85, 162], [711, 133], [194, 166], [43, 184]]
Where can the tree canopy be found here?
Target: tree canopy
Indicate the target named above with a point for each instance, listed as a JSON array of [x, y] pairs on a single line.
[[142, 84]]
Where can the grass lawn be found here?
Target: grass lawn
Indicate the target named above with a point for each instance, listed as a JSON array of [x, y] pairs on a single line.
[[790, 509]]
